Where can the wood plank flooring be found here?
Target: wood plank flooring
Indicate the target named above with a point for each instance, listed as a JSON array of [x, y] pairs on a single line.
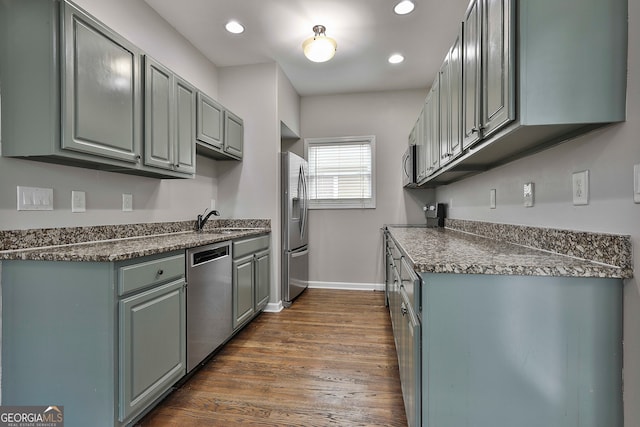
[[329, 360]]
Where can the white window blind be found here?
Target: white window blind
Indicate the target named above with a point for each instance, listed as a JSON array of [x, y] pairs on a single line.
[[341, 172]]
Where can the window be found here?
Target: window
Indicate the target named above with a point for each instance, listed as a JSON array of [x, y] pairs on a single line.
[[341, 172]]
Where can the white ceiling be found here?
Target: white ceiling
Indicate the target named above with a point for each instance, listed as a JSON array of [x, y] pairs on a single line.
[[367, 32]]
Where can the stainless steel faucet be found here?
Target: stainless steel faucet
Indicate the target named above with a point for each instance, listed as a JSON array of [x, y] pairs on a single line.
[[202, 219]]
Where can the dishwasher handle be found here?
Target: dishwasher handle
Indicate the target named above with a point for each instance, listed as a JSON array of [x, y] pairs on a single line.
[[209, 255]]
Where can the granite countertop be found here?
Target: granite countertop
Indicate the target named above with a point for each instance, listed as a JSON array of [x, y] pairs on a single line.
[[128, 247], [444, 250]]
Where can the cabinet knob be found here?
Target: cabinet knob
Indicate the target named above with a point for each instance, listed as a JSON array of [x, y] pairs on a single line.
[[160, 272]]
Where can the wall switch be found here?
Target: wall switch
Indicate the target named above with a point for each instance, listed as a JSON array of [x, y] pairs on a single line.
[[78, 201], [580, 187], [492, 198], [35, 199], [528, 193], [213, 205], [636, 183], [127, 202]]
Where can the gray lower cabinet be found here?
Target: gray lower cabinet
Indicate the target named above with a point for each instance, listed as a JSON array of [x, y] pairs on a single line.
[[152, 345], [406, 327], [170, 120], [220, 133], [251, 278], [500, 350], [105, 340], [524, 351]]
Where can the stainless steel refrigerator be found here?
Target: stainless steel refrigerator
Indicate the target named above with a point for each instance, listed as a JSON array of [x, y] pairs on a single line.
[[295, 225]]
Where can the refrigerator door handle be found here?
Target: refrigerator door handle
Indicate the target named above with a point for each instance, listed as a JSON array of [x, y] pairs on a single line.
[[299, 254], [302, 178]]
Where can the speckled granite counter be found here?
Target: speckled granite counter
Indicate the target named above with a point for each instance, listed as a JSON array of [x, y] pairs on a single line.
[[447, 250], [120, 242]]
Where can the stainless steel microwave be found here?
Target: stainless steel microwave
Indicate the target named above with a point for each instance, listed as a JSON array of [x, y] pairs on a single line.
[[409, 167]]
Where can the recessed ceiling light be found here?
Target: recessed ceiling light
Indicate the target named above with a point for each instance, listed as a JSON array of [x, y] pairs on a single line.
[[234, 27], [396, 58], [404, 6]]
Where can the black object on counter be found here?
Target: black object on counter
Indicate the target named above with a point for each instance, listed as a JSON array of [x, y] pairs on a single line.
[[435, 214]]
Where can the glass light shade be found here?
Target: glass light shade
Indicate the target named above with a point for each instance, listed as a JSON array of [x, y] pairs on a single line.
[[319, 48], [396, 58], [234, 27], [404, 7]]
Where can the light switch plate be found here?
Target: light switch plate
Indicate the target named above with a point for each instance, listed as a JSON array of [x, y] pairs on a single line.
[[528, 193], [127, 202], [35, 199], [492, 198], [580, 185], [78, 201], [636, 183]]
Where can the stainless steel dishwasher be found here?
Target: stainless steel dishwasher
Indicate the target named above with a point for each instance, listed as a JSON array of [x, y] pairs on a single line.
[[209, 300]]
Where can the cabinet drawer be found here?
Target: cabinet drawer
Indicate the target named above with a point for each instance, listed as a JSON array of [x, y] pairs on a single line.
[[144, 274], [248, 246]]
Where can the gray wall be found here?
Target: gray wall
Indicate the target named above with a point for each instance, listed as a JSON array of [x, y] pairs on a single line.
[[345, 244], [609, 155]]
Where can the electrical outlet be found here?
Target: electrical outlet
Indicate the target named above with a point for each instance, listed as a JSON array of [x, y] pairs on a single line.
[[636, 183], [580, 185], [78, 201], [35, 199], [127, 202], [492, 198], [528, 194], [213, 204]]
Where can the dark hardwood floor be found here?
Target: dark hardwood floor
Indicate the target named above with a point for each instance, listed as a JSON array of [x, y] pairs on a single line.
[[329, 360]]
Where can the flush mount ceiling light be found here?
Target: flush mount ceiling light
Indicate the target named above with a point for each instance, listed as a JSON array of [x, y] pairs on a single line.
[[396, 58], [234, 27], [319, 48], [404, 6]]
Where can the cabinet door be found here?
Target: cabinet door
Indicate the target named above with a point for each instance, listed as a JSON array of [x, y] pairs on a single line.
[[445, 109], [185, 116], [233, 134], [498, 74], [421, 152], [262, 279], [101, 90], [243, 293], [455, 96], [152, 345], [433, 128], [471, 84], [210, 122], [159, 124]]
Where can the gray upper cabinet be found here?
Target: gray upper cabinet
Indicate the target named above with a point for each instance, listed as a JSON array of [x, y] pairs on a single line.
[[471, 83], [450, 89], [71, 88], [210, 121], [233, 134], [75, 92], [100, 86], [527, 82], [170, 120], [498, 81], [220, 133]]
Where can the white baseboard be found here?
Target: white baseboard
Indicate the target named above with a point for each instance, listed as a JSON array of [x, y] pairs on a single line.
[[274, 307], [348, 286]]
